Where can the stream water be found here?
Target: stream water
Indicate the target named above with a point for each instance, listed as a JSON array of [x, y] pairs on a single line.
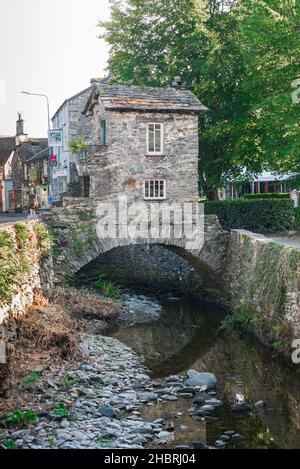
[[174, 335]]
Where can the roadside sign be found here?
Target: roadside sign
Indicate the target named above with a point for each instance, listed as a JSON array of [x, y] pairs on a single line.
[[55, 138]]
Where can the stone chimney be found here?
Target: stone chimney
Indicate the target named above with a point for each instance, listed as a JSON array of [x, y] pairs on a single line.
[[20, 136], [103, 80], [178, 83], [20, 125]]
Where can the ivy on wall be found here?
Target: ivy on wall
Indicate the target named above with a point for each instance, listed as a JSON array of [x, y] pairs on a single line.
[[18, 246]]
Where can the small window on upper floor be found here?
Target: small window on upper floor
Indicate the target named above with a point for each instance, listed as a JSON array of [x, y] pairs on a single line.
[[154, 139], [103, 132]]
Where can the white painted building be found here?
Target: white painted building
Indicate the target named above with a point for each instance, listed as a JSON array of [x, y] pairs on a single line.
[[267, 182], [7, 146], [68, 118]]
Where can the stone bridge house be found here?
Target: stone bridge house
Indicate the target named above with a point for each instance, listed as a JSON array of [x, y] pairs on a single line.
[[140, 142], [144, 143]]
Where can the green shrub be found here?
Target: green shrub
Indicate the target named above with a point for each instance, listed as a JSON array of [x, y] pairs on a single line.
[[9, 444], [15, 255], [106, 288], [86, 215], [21, 235], [77, 146], [110, 291], [244, 319], [8, 265], [45, 239], [263, 216], [61, 410], [68, 381], [270, 195], [52, 442], [20, 417], [31, 380]]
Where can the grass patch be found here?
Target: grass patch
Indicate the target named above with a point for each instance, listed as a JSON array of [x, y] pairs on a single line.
[[9, 444], [61, 410], [68, 381], [86, 215], [243, 318], [22, 236], [20, 417], [50, 330], [31, 381], [8, 264], [104, 441], [86, 304], [52, 442], [44, 238], [106, 288]]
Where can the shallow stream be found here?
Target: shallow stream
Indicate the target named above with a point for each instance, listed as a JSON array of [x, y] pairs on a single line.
[[174, 335]]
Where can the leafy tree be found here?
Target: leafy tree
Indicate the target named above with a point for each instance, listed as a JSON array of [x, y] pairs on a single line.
[[153, 41], [266, 130], [222, 72], [239, 57]]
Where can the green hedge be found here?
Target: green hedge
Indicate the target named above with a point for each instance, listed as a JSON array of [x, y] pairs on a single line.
[[259, 215], [270, 195], [297, 217]]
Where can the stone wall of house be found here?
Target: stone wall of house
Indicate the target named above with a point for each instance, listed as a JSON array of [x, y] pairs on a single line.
[[122, 165], [78, 124], [263, 278], [24, 251], [17, 166]]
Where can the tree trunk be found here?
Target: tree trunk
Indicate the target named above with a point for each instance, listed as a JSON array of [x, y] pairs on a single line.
[[213, 193]]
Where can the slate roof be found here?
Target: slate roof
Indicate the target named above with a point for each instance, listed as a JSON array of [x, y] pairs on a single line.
[[7, 145], [90, 88], [35, 149], [145, 99], [70, 99]]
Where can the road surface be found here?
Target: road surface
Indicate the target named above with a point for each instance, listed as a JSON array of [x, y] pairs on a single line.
[[14, 217]]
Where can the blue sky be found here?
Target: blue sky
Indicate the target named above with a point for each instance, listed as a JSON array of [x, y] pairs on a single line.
[[49, 47]]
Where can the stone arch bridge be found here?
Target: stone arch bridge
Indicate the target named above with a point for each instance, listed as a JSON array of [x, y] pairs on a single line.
[[77, 244]]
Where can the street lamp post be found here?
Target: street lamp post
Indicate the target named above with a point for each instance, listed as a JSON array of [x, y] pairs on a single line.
[[43, 96], [48, 112]]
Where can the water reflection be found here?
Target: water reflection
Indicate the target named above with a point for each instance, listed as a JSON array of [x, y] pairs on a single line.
[[186, 336]]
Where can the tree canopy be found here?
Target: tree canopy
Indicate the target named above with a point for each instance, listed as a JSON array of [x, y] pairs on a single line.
[[240, 57]]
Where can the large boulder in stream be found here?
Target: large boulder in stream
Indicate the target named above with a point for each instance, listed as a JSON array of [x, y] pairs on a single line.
[[197, 379]]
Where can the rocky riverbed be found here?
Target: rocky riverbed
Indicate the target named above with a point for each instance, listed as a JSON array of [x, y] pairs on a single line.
[[147, 386], [98, 404]]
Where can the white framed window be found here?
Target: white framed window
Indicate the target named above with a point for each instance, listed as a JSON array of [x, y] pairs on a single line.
[[155, 189], [155, 138]]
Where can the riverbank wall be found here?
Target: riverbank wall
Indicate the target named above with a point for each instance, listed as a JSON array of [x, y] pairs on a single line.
[[263, 280], [26, 271]]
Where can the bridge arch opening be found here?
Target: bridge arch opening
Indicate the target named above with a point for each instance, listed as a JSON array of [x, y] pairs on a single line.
[[157, 267]]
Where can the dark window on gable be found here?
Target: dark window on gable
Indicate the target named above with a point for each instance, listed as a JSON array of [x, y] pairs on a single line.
[[103, 132], [86, 186]]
